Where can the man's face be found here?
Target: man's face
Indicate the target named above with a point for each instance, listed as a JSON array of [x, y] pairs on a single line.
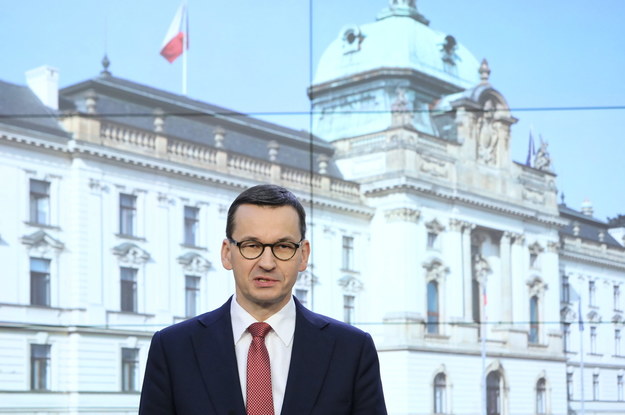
[[264, 284]]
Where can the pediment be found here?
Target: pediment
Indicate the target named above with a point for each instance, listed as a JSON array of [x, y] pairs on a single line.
[[130, 253], [194, 262], [351, 283], [42, 242]]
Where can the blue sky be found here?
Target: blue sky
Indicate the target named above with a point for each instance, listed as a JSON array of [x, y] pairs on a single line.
[[256, 56]]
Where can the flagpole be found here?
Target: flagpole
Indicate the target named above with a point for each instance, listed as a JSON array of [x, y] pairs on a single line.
[[483, 329], [184, 50]]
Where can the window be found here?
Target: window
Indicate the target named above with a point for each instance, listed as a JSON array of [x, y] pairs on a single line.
[[595, 387], [593, 340], [592, 291], [440, 386], [533, 259], [192, 295], [566, 289], [39, 367], [39, 202], [433, 311], [533, 334], [617, 342], [130, 369], [619, 388], [569, 386], [191, 222], [475, 300], [432, 240], [302, 296], [348, 253], [493, 394], [617, 297], [40, 282], [348, 308], [128, 289], [541, 397], [127, 214], [566, 336]]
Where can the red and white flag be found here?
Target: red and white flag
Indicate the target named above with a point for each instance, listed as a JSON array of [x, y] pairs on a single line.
[[177, 37]]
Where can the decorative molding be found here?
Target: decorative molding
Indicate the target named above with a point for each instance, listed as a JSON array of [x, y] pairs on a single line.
[[194, 263], [402, 215], [434, 226], [130, 254], [351, 284], [435, 270], [42, 244], [537, 286]]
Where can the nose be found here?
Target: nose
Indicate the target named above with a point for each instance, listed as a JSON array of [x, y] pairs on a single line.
[[267, 261]]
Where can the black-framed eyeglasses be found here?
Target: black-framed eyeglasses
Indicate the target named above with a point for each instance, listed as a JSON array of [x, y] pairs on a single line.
[[282, 250]]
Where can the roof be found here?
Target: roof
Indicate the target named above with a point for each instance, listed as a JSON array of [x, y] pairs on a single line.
[[400, 38], [20, 108], [134, 104], [589, 227]]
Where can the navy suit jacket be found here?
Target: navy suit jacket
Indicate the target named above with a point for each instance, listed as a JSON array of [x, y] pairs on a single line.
[[192, 369]]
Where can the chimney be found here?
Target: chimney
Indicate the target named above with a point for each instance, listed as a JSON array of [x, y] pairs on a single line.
[[44, 82]]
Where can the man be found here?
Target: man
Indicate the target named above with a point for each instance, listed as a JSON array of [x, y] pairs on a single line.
[[212, 364]]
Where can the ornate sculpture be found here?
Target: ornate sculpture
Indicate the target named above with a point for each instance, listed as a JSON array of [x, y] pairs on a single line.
[[542, 160], [488, 135]]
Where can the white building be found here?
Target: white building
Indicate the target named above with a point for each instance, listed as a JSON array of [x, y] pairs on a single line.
[[114, 208]]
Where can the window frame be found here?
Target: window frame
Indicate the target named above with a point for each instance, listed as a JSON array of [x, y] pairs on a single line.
[[40, 362], [192, 295], [40, 280], [349, 308], [39, 202], [127, 214], [347, 261], [191, 224], [129, 369], [128, 289]]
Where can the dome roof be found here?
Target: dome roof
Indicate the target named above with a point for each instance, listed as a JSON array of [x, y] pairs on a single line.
[[400, 38]]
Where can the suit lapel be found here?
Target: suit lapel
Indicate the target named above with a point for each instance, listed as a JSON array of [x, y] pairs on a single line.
[[214, 349], [310, 358]]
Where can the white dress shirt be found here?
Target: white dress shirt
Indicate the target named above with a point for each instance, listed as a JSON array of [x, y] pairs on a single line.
[[279, 342]]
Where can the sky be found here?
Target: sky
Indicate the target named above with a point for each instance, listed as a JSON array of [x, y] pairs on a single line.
[[560, 64]]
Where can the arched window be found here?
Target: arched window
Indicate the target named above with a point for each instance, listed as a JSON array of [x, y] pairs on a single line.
[[493, 394], [433, 310], [533, 334], [440, 386], [541, 396]]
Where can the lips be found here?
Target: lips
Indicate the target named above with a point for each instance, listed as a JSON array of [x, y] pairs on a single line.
[[265, 282]]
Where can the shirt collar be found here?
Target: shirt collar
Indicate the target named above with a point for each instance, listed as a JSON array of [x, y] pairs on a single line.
[[282, 322]]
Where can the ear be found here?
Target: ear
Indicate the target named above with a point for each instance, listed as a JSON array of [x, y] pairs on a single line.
[[226, 254], [305, 255]]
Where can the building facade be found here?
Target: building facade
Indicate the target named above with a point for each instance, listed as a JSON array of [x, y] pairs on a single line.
[[458, 260]]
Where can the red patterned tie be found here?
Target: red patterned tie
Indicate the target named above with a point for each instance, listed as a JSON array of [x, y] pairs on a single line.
[[259, 394]]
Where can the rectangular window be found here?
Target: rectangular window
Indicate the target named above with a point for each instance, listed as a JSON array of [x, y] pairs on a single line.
[[348, 253], [192, 295], [39, 202], [566, 334], [130, 370], [348, 308], [127, 214], [593, 340], [619, 388], [595, 387], [432, 239], [569, 386], [40, 367], [617, 342], [302, 296], [592, 291], [566, 289], [128, 289], [617, 297], [191, 223], [40, 282]]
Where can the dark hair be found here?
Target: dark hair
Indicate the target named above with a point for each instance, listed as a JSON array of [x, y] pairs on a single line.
[[266, 195]]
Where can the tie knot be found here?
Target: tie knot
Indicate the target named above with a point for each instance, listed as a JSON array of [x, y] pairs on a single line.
[[259, 329]]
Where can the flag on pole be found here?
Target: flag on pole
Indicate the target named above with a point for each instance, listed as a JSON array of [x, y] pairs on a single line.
[[177, 37]]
